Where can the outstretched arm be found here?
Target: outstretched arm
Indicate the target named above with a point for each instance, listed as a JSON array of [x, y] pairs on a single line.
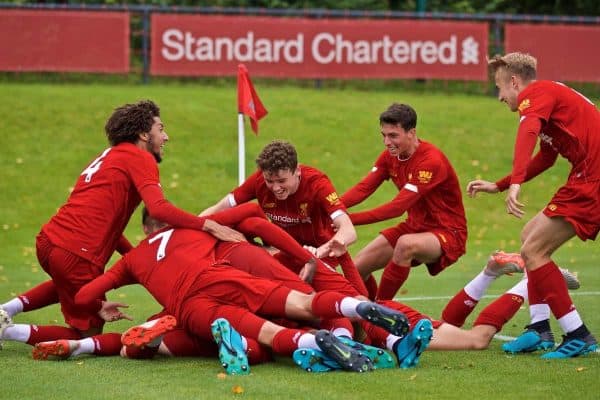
[[223, 204]]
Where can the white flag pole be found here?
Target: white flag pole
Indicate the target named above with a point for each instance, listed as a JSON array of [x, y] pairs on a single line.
[[241, 150]]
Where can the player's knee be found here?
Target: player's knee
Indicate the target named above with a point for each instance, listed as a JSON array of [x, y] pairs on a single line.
[[405, 248]]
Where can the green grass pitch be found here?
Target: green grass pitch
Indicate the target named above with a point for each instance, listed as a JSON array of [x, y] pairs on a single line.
[[51, 132]]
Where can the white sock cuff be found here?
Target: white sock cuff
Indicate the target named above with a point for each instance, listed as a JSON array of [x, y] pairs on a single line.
[[478, 285], [348, 307]]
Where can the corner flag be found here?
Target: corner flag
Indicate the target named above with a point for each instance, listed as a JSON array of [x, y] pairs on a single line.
[[248, 104], [248, 101]]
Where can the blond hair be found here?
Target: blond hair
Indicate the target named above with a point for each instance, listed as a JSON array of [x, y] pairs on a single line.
[[519, 64]]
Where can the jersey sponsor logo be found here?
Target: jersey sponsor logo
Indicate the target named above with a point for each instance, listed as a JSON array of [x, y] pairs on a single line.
[[392, 173], [425, 176], [268, 205], [286, 220], [552, 207], [525, 104], [333, 198], [304, 209]]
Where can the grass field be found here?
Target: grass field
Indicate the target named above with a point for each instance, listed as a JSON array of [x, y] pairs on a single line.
[[51, 132]]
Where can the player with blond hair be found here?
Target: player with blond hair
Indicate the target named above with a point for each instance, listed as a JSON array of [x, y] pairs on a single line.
[[567, 124]]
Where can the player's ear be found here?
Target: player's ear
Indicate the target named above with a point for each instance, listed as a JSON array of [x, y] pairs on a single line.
[[144, 136]]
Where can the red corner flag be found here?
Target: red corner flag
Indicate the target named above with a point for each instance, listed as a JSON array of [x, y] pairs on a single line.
[[248, 101]]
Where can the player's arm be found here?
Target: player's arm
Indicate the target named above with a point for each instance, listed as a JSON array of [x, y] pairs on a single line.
[[225, 203], [345, 235], [90, 295], [404, 200], [123, 245], [366, 186], [242, 194]]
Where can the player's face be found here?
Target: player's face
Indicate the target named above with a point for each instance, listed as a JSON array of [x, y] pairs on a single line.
[[507, 89], [157, 137], [399, 143], [283, 183]]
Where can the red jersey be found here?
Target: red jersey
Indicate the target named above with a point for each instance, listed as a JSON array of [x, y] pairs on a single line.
[[167, 264], [566, 122], [429, 191], [107, 192], [306, 215]]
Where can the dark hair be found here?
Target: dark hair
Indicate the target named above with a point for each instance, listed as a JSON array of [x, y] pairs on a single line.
[[149, 221], [129, 120], [399, 114], [277, 155]]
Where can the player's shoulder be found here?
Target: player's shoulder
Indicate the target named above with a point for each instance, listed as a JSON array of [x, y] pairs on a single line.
[[427, 150], [312, 173]]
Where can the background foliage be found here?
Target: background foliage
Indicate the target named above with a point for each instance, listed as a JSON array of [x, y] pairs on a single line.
[[555, 7]]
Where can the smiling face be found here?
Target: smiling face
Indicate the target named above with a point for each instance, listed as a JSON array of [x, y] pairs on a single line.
[[508, 88], [282, 183], [399, 142], [156, 139]]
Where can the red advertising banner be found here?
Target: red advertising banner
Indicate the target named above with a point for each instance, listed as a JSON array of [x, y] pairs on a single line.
[[199, 45], [564, 52], [37, 40]]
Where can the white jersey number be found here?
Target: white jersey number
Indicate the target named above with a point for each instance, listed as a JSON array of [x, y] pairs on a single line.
[[94, 166], [162, 247]]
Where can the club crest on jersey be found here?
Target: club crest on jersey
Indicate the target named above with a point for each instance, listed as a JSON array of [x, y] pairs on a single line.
[[425, 176], [269, 205], [304, 209], [524, 105], [333, 198]]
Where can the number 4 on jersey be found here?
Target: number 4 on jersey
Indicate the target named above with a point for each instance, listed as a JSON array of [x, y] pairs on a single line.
[[94, 166]]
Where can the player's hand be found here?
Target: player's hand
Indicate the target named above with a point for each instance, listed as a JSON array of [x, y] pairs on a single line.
[[479, 185], [333, 248], [110, 311], [307, 273], [513, 206], [223, 232]]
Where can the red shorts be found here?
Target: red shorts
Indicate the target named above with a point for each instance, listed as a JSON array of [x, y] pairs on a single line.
[[579, 204], [453, 244], [228, 285], [69, 273], [258, 262]]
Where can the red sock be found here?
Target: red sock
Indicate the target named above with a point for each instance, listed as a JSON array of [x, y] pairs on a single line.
[[500, 311], [107, 344], [376, 336], [140, 353], [39, 296], [393, 277], [45, 333], [351, 273], [371, 285], [331, 324], [459, 308], [326, 304], [182, 344], [550, 286], [285, 341], [257, 353]]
